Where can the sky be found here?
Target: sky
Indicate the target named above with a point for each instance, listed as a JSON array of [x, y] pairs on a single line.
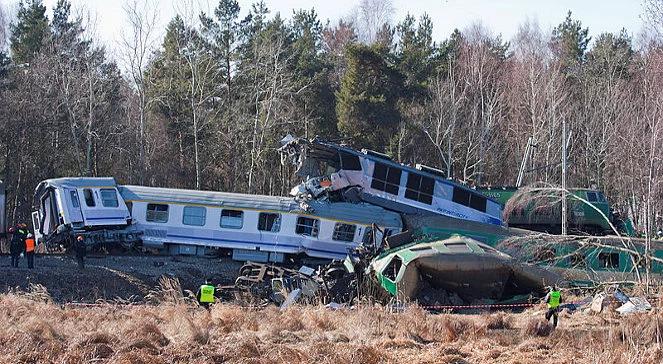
[[500, 16]]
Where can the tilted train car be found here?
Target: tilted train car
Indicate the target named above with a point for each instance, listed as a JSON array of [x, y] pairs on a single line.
[[375, 178], [543, 213], [179, 221]]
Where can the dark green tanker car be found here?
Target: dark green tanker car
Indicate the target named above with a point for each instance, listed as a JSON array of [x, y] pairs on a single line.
[[537, 210]]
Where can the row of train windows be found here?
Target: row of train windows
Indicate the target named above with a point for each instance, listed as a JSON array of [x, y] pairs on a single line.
[[234, 219], [420, 188], [108, 198]]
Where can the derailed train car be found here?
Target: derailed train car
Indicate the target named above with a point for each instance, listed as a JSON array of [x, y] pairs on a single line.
[[252, 227]]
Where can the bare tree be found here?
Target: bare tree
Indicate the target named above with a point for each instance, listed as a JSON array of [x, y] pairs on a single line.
[[138, 44], [653, 16], [371, 17]]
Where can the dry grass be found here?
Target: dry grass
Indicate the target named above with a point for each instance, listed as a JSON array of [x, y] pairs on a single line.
[[36, 330]]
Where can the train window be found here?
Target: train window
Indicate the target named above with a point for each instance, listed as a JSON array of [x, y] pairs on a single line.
[[232, 219], [109, 197], [461, 196], [89, 197], [601, 197], [73, 195], [420, 188], [476, 201], [591, 197], [156, 213], [344, 232], [609, 260], [194, 215], [458, 247], [368, 236], [391, 270], [577, 260], [307, 226], [269, 222], [386, 178], [349, 162]]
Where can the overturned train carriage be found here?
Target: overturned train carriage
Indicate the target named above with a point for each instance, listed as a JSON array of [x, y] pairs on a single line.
[[252, 227], [343, 173]]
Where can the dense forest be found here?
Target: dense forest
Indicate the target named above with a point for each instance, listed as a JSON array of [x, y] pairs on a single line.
[[205, 105]]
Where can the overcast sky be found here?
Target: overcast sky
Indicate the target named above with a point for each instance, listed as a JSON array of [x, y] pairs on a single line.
[[501, 16]]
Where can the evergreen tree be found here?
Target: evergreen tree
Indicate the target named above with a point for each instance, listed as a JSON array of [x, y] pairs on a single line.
[[29, 32], [312, 72], [367, 102], [570, 41], [611, 55], [416, 51]]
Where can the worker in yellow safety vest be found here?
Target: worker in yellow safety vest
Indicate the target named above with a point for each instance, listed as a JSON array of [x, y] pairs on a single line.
[[205, 294], [553, 299]]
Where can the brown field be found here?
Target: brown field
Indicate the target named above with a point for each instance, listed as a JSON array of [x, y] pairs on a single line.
[[35, 330]]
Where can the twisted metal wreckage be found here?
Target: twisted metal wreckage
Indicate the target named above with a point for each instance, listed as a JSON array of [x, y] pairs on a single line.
[[409, 231]]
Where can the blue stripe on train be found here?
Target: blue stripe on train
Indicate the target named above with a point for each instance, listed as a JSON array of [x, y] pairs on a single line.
[[255, 243]]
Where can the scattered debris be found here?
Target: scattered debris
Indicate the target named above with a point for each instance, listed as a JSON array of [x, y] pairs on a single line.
[[455, 271], [635, 304]]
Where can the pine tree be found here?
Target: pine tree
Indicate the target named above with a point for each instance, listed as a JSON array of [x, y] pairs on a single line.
[[367, 102], [29, 32], [570, 43]]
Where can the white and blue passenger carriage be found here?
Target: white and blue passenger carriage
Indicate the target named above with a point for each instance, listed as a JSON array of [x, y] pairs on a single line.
[[178, 221], [375, 178]]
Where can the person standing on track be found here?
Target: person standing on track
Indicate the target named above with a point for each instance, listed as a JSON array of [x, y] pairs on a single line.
[[16, 246], [80, 250], [30, 250]]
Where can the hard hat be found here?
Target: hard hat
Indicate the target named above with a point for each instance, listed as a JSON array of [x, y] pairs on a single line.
[[11, 230], [23, 225], [30, 236], [79, 238]]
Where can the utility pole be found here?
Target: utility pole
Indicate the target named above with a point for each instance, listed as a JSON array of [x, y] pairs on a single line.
[[564, 227]]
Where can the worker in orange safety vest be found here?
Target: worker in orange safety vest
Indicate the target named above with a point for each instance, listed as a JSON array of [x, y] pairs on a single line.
[[30, 250]]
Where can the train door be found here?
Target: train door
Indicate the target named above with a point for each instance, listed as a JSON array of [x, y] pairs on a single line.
[[74, 206], [48, 217], [36, 227]]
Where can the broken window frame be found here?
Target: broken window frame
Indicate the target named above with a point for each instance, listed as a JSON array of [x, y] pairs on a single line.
[[271, 220], [349, 161], [156, 212], [344, 232], [88, 194], [109, 198], [307, 226], [578, 260], [607, 260], [389, 181], [392, 269], [239, 216]]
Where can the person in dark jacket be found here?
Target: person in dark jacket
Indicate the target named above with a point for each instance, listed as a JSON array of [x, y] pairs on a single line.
[[80, 251], [16, 246]]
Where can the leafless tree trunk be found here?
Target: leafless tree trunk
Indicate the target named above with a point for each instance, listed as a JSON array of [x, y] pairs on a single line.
[[138, 43]]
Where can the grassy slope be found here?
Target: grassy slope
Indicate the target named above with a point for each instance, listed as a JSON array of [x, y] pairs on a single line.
[[44, 332]]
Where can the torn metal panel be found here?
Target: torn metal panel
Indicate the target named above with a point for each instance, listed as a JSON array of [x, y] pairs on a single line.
[[461, 266]]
